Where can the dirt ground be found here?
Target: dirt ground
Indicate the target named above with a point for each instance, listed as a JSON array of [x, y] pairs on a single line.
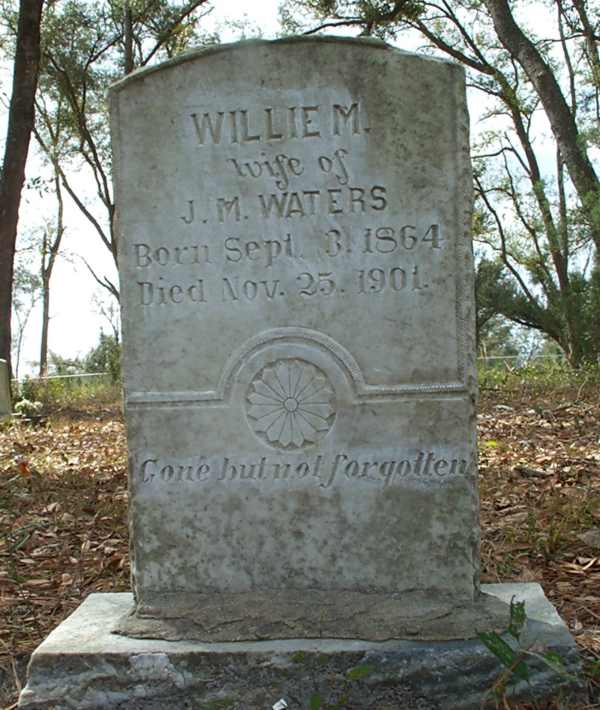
[[63, 501]]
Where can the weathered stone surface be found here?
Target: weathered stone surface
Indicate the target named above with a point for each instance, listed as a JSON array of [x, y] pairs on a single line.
[[5, 404], [296, 276], [82, 665], [253, 616]]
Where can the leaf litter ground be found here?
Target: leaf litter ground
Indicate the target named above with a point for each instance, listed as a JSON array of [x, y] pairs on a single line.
[[63, 515]]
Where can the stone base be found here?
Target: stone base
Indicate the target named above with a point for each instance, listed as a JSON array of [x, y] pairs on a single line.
[[310, 614], [82, 664]]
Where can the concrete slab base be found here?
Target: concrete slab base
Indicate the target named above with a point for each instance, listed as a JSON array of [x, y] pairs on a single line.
[[82, 664]]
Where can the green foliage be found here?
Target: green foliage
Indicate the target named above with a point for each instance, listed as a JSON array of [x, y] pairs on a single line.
[[356, 673], [105, 357], [359, 672], [495, 295], [514, 656], [518, 618], [505, 653], [83, 53], [63, 388], [540, 377], [594, 669], [377, 18], [498, 294], [102, 358], [498, 339], [26, 291], [60, 365], [28, 408], [26, 284], [510, 657], [300, 657], [68, 393]]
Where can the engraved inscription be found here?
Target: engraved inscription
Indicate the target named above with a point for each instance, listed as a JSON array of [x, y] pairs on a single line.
[[390, 280], [290, 404], [322, 470], [280, 169], [308, 203], [347, 200], [163, 293], [272, 240], [265, 251], [277, 124], [235, 289], [183, 255], [382, 240], [229, 209]]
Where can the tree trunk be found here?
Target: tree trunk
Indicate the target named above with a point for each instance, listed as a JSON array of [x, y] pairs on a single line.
[[50, 250], [20, 126], [128, 63], [16, 371], [561, 119], [43, 372]]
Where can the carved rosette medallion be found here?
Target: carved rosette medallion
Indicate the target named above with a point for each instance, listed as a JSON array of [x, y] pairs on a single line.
[[290, 404]]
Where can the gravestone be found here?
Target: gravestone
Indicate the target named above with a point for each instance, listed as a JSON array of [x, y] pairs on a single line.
[[297, 292], [5, 403], [297, 289]]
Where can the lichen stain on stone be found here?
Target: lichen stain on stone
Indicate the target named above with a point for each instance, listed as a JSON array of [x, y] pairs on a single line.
[[155, 667], [299, 657]]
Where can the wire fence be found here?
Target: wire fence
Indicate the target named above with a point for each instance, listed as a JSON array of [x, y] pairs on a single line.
[[518, 361], [506, 361], [77, 378], [522, 372]]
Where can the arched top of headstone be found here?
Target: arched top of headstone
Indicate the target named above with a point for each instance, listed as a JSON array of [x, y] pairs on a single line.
[[257, 45]]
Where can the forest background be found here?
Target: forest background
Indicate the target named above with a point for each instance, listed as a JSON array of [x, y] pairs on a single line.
[[534, 89]]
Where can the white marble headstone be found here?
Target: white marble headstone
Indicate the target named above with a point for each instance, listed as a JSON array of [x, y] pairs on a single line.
[[297, 291]]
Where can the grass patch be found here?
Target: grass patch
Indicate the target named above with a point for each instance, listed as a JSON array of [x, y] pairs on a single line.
[[544, 377], [70, 394]]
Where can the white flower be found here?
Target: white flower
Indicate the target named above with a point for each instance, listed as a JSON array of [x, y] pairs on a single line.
[[289, 403]]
